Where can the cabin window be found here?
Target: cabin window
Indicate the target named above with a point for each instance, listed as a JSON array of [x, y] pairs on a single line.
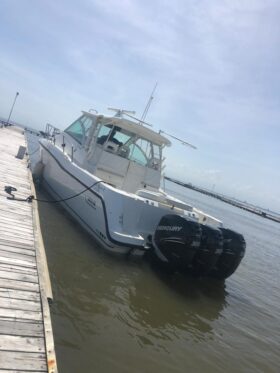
[[113, 134], [140, 151], [87, 122], [104, 134], [137, 155], [79, 129], [76, 131], [156, 151], [123, 143], [121, 137]]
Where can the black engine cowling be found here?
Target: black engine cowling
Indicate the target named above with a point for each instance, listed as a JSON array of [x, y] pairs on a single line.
[[210, 249], [234, 247], [176, 241], [185, 245]]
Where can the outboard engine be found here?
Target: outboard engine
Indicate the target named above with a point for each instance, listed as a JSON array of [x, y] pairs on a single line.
[[211, 247], [176, 241], [181, 244], [233, 251]]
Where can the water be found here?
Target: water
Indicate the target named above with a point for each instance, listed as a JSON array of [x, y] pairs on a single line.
[[112, 315]]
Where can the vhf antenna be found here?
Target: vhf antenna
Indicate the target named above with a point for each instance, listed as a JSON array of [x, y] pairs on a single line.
[[145, 112]]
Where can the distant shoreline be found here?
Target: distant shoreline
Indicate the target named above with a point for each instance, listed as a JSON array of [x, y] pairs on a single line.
[[242, 205]]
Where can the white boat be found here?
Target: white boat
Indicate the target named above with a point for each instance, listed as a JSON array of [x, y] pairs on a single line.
[[106, 172]]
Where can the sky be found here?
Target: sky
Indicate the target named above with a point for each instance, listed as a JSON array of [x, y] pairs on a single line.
[[216, 63]]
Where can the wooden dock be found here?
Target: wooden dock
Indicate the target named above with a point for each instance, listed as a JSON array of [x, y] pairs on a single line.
[[26, 337]]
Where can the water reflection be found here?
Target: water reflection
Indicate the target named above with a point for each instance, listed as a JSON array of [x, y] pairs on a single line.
[[191, 287], [169, 304]]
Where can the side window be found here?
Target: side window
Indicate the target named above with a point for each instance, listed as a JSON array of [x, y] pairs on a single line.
[[120, 138], [137, 155], [156, 151], [103, 134], [145, 153], [76, 131], [141, 151], [87, 123], [112, 134]]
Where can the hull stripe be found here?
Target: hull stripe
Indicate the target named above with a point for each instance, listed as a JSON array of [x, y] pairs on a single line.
[[78, 216]]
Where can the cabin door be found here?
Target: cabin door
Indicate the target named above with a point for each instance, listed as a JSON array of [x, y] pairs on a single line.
[[134, 178]]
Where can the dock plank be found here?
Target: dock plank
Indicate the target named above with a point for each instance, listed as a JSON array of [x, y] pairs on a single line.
[[16, 360], [7, 231], [18, 250], [20, 314], [20, 229], [9, 215], [19, 217], [18, 269], [18, 285], [15, 343], [15, 242], [19, 294], [25, 329], [9, 254], [8, 244], [20, 371], [20, 262], [19, 276], [20, 304]]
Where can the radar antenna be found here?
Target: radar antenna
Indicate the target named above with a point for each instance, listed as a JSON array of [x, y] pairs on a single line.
[[121, 112], [128, 113], [93, 110]]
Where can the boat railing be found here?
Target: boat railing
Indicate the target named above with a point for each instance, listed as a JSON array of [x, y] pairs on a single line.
[[51, 131], [4, 123]]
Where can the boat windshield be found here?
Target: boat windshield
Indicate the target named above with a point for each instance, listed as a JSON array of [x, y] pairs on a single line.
[[129, 145], [79, 130]]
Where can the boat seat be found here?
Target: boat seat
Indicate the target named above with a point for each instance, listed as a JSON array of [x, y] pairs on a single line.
[[154, 163], [111, 147], [164, 198], [124, 151]]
